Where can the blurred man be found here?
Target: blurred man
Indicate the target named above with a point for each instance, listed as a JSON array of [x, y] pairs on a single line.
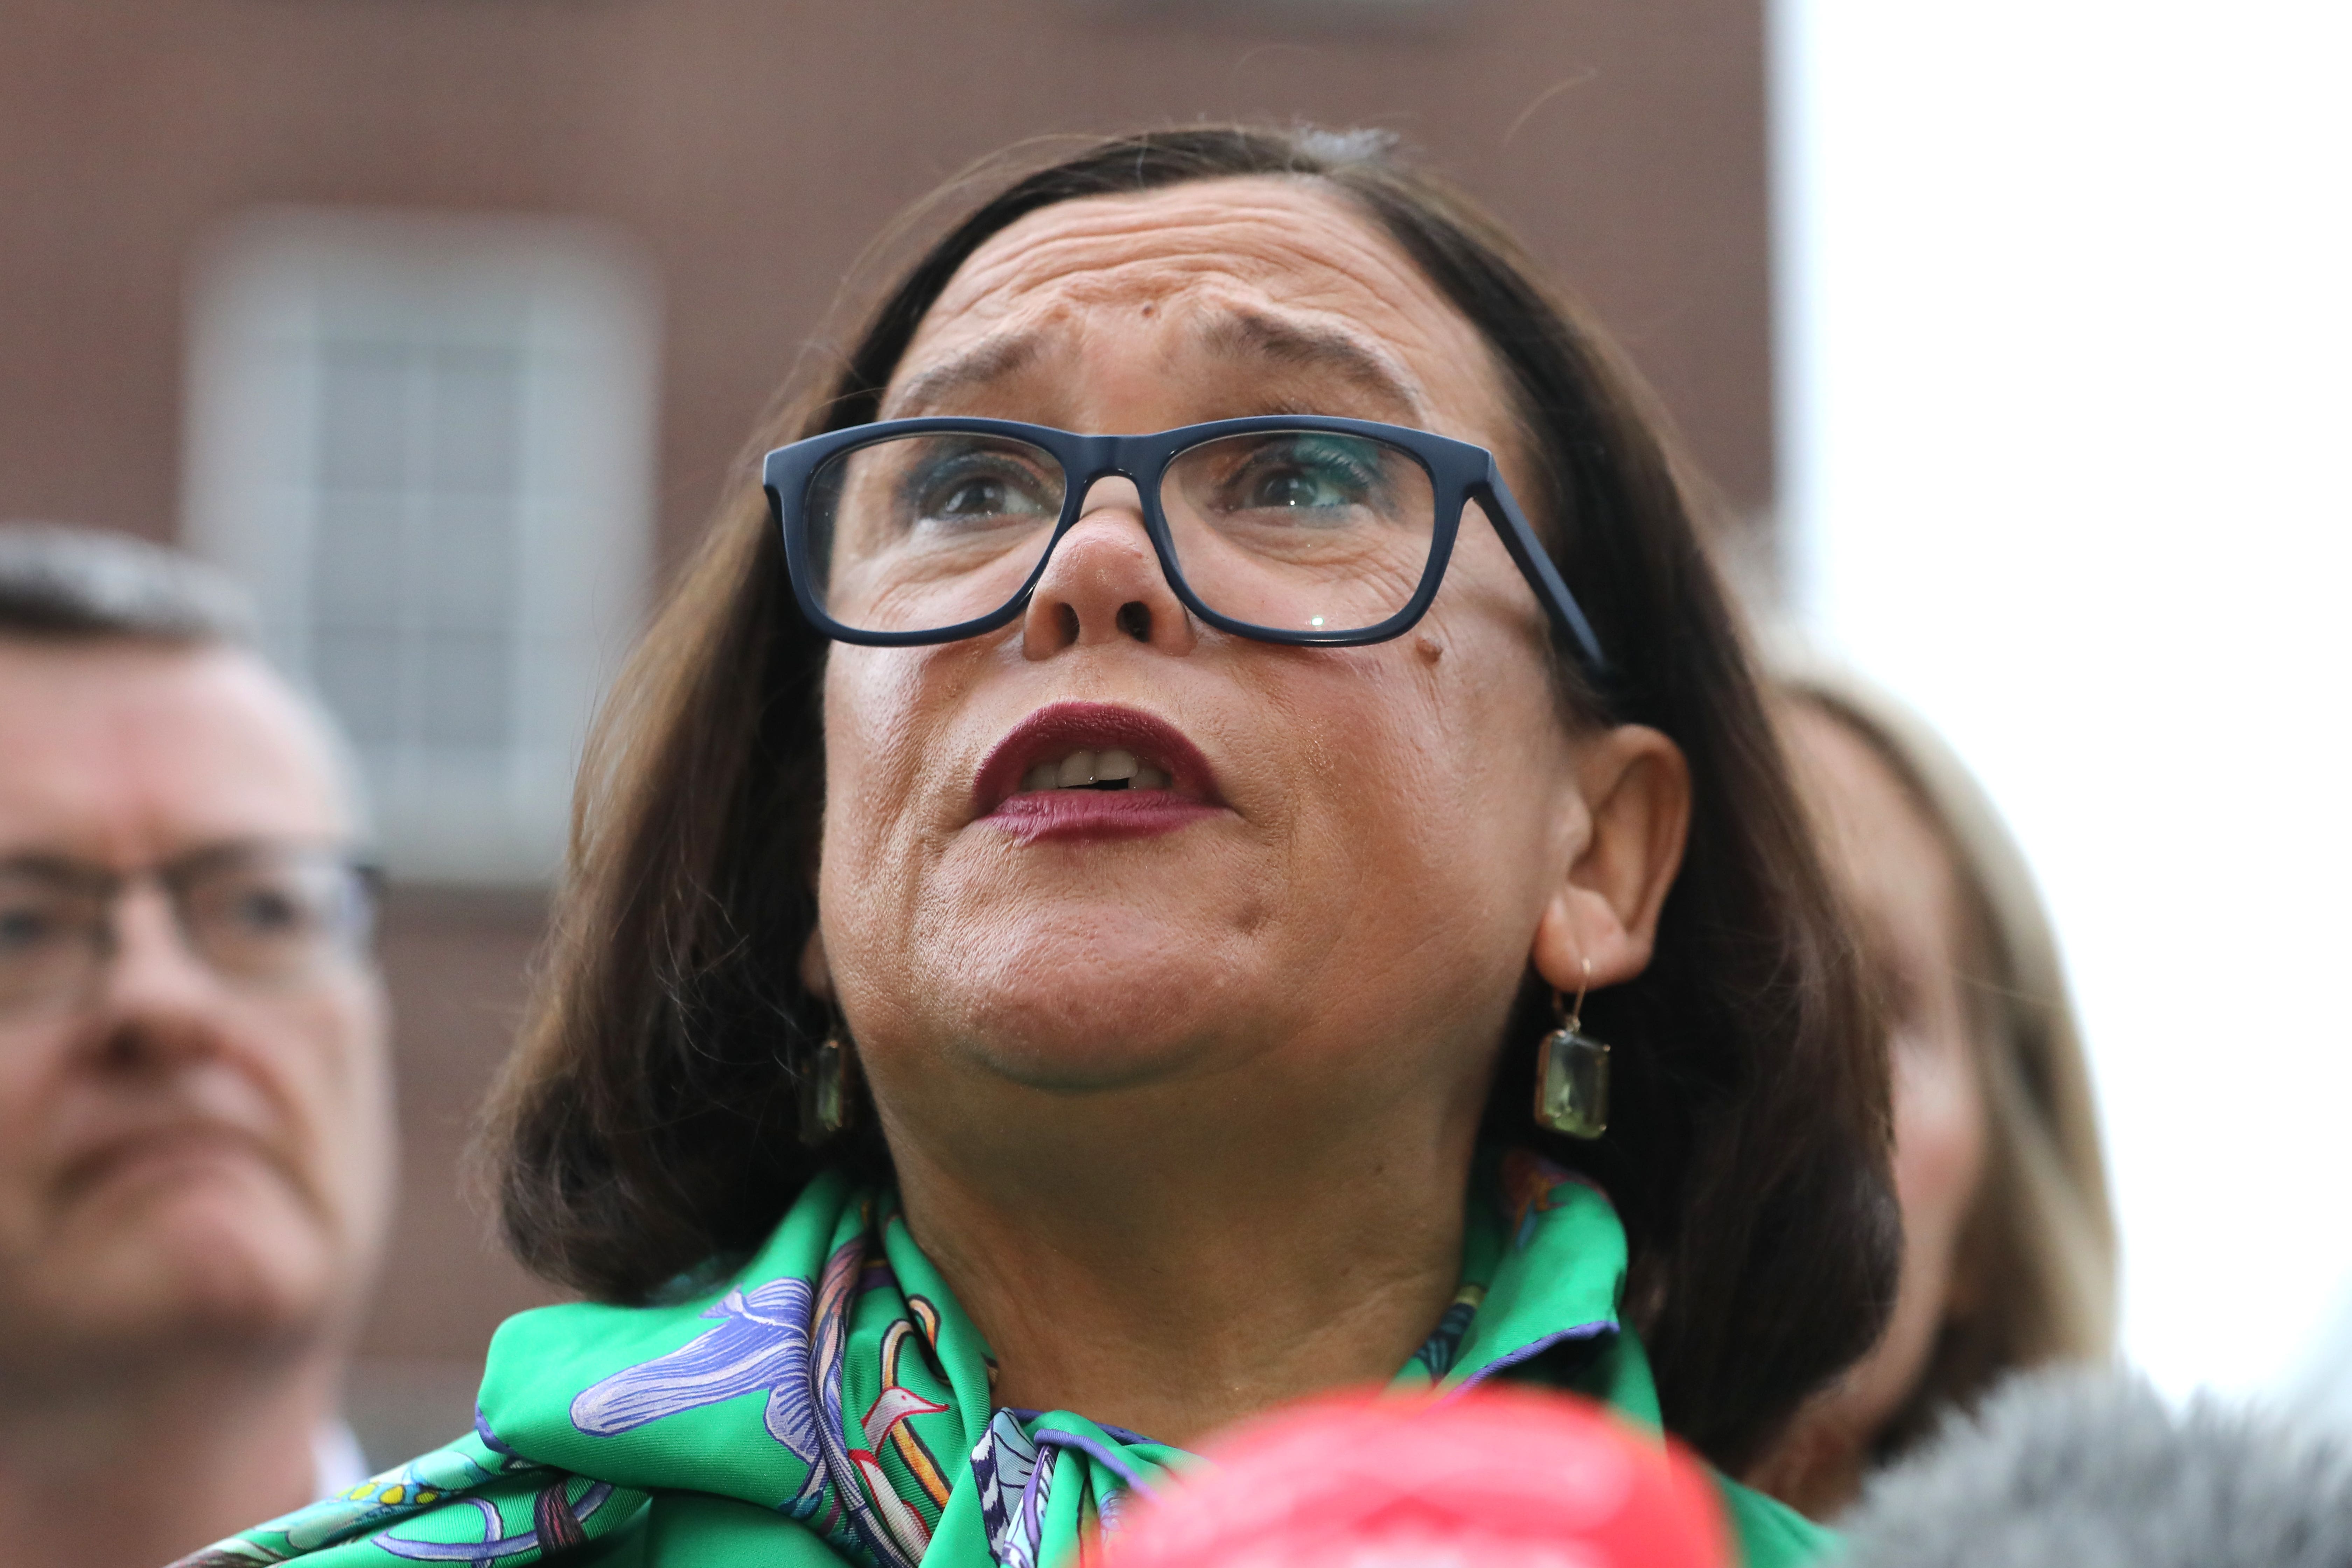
[[195, 1143]]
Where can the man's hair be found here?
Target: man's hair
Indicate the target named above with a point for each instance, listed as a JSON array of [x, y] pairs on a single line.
[[88, 583], [79, 585]]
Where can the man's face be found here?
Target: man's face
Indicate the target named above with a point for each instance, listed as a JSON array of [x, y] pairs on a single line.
[[188, 1161]]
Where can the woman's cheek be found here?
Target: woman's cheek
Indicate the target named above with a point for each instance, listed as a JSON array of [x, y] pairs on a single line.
[[879, 704], [1379, 784], [884, 710], [874, 720]]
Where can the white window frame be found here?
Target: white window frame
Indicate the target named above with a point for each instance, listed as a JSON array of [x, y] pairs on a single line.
[[269, 294]]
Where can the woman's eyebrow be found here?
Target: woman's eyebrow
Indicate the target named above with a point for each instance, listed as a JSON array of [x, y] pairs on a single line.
[[990, 359], [1252, 334]]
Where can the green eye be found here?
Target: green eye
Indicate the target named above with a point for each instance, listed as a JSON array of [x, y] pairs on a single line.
[[1295, 488], [1298, 475]]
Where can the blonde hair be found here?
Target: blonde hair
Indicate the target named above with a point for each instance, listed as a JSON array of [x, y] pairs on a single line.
[[2040, 1238]]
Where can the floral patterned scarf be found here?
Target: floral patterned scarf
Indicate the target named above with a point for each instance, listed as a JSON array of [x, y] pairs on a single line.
[[830, 1403]]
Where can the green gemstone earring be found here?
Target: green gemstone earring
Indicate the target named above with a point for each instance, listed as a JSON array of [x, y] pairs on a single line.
[[1572, 1072], [824, 1091]]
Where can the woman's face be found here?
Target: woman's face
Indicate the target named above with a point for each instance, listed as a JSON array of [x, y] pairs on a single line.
[[1332, 906], [1906, 891]]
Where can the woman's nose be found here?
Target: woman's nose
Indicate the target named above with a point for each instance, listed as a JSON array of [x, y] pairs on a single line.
[[1104, 584]]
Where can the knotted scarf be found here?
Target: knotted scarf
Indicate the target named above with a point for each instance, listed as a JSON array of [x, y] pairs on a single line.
[[829, 1402]]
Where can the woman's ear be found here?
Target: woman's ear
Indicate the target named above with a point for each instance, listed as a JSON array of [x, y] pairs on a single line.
[[815, 973], [1633, 792]]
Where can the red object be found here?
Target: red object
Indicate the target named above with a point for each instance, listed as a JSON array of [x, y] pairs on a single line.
[[1488, 1479]]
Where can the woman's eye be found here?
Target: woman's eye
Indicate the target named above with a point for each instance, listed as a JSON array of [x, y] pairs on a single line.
[[1299, 476], [1294, 488], [975, 497], [967, 498]]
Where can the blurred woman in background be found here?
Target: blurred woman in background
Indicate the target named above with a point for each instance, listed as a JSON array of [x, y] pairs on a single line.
[[2009, 1249]]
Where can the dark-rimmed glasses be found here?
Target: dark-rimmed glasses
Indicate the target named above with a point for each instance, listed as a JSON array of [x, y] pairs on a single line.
[[1307, 531], [261, 913]]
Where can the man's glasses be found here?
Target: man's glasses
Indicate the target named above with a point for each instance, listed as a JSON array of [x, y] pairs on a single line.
[[1328, 532], [257, 913]]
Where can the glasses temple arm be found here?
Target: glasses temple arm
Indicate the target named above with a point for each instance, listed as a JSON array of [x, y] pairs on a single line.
[[1535, 563]]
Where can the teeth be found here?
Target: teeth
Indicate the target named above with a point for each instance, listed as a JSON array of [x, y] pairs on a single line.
[[1082, 768]]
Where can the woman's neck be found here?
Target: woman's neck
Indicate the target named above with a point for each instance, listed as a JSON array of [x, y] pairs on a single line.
[[1173, 1289]]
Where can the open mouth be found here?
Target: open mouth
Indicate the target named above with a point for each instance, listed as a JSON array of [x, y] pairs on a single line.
[[1071, 752], [1115, 767]]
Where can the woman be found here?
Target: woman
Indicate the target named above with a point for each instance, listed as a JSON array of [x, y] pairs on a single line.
[[1069, 958], [2009, 1247]]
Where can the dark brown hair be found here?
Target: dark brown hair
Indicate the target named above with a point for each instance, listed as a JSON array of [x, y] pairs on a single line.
[[644, 1124]]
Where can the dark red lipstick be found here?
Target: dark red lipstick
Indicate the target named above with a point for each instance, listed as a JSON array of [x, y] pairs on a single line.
[[1135, 807]]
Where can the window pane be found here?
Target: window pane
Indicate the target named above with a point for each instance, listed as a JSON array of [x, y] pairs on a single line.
[[359, 673], [355, 557], [471, 586], [413, 555], [465, 683], [362, 416], [475, 395], [425, 439]]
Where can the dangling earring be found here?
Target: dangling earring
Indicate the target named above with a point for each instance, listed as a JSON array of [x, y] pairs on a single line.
[[825, 1090], [1572, 1072]]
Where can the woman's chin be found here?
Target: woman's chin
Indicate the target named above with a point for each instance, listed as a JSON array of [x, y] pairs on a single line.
[[1118, 1015], [1081, 1064]]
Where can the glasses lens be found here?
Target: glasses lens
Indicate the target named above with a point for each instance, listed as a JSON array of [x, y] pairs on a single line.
[[275, 914], [46, 927], [1300, 529], [920, 532]]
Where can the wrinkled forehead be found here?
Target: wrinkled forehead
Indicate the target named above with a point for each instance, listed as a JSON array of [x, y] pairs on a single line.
[[1262, 276]]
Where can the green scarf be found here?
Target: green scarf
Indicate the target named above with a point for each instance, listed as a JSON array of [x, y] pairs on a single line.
[[829, 1402]]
